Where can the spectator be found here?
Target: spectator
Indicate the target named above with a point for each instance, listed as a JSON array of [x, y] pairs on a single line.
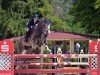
[[77, 48]]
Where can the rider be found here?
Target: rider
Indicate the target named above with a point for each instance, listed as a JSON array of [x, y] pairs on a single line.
[[34, 19]]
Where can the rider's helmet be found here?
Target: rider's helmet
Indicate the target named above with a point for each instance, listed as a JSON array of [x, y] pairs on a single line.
[[35, 16]]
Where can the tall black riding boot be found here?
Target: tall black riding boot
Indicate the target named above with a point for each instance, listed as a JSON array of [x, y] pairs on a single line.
[[26, 37]]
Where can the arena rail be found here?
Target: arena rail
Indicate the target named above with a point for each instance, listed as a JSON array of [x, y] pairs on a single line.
[[94, 61], [63, 63], [54, 55], [53, 71]]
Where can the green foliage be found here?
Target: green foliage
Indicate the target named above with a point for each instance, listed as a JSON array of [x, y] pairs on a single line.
[[14, 16], [58, 24], [97, 4], [46, 9], [84, 12], [81, 16]]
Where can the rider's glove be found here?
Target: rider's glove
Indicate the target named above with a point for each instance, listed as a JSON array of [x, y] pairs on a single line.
[[36, 24], [27, 29], [31, 26]]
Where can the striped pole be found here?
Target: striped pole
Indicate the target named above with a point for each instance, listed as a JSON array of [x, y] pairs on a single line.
[[52, 71], [51, 64], [54, 55]]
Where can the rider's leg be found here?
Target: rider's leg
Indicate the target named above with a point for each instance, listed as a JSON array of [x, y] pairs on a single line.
[[26, 34], [26, 37]]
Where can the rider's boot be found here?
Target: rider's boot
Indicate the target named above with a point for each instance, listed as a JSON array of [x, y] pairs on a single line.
[[26, 37]]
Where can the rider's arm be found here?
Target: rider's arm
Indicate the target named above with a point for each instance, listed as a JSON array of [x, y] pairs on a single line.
[[29, 22]]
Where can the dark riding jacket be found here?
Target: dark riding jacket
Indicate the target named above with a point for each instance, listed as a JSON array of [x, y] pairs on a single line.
[[31, 24]]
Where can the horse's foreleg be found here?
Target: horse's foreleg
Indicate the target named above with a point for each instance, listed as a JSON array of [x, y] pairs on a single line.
[[24, 52]]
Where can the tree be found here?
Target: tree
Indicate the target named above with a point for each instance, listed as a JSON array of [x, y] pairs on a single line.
[[84, 12], [15, 14], [97, 4], [83, 18]]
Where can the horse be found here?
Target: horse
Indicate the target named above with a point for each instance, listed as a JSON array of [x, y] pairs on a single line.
[[37, 39]]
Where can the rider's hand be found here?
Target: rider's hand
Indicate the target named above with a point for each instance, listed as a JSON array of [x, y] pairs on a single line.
[[27, 29], [36, 24], [31, 26]]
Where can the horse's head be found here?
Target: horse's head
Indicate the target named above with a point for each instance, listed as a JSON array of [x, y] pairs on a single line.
[[45, 25], [41, 31]]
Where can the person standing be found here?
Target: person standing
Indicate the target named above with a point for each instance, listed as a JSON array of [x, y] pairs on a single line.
[[77, 48]]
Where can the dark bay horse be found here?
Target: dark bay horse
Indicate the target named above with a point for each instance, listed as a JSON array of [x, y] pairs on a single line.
[[37, 38]]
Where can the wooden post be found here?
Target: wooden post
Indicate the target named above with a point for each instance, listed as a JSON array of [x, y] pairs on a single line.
[[71, 45], [42, 51], [81, 52]]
